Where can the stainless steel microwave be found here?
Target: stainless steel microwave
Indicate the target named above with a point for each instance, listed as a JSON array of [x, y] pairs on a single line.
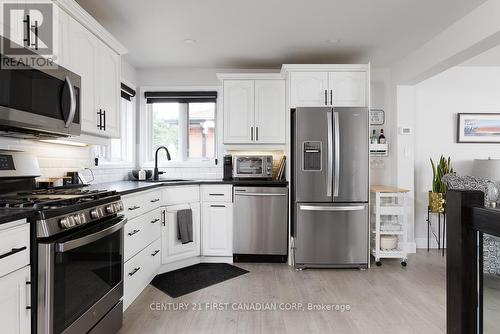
[[39, 103], [253, 166]]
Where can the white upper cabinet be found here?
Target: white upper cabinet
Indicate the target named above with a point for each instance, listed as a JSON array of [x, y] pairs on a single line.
[[254, 111], [309, 89], [270, 106], [328, 85], [82, 60], [86, 51], [238, 111], [347, 89], [108, 65]]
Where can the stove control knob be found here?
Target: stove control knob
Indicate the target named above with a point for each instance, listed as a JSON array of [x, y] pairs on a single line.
[[110, 209], [64, 222], [83, 218], [94, 214], [77, 219], [116, 207]]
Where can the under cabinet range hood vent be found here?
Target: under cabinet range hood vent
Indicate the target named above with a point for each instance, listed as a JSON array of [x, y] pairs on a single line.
[[38, 103]]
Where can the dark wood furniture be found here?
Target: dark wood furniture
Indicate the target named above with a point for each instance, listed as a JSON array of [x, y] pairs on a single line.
[[468, 219]]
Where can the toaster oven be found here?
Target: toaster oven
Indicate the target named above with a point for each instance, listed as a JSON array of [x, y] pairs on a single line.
[[253, 166]]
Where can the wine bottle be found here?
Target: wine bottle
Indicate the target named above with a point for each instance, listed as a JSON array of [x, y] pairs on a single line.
[[381, 138], [373, 138]]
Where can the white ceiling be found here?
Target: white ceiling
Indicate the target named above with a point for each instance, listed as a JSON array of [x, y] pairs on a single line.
[[268, 33]]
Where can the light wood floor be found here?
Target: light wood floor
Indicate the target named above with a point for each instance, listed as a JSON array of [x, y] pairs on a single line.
[[387, 299]]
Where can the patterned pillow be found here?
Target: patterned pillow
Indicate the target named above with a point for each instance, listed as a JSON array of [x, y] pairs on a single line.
[[491, 244]]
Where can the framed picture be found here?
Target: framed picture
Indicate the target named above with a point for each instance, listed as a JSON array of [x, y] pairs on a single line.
[[478, 128], [377, 117]]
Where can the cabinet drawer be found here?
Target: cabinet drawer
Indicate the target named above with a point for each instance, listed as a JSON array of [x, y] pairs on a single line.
[[217, 193], [141, 231], [139, 203], [180, 195], [140, 270], [14, 248]]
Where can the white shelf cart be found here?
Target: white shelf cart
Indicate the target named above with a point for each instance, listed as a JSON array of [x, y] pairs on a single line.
[[388, 217]]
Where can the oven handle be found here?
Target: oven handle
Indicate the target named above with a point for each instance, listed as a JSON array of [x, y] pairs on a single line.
[[69, 245]]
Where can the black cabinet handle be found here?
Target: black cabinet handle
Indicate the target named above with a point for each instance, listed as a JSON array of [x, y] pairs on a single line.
[[155, 200], [326, 98], [135, 207], [99, 125], [28, 32], [104, 119], [257, 133], [217, 206], [331, 97], [133, 232], [155, 252], [13, 251], [251, 133], [134, 271], [216, 194], [155, 220]]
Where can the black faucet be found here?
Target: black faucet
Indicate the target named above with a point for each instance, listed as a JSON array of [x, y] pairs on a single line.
[[156, 173]]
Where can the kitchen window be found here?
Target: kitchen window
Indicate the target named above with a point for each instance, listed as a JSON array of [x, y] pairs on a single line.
[[185, 123]]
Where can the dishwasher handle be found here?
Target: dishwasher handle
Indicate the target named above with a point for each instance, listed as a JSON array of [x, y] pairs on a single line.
[[259, 194]]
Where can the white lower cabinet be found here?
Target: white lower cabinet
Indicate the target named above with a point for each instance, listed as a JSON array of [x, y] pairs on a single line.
[[173, 248], [141, 231], [140, 270], [14, 313], [217, 231]]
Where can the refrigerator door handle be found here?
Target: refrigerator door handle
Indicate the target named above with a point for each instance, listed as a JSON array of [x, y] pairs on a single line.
[[330, 155], [337, 154], [332, 208]]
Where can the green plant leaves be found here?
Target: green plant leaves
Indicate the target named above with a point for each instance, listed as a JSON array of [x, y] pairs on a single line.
[[438, 171]]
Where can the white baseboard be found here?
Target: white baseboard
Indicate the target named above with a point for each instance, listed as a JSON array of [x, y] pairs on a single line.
[[422, 242], [217, 259]]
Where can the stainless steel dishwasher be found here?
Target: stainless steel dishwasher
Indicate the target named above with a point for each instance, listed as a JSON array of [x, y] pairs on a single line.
[[260, 224]]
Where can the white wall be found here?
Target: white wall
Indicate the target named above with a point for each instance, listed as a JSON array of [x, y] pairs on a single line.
[[437, 101], [55, 159]]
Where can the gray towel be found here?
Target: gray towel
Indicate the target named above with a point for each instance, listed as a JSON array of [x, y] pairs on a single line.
[[185, 225]]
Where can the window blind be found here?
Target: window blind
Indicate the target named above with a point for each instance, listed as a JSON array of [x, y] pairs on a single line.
[[180, 97]]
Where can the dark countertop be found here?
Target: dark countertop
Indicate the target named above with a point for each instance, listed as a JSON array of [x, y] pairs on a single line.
[[129, 187], [9, 215]]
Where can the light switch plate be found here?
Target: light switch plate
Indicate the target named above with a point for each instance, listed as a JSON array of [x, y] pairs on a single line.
[[405, 130]]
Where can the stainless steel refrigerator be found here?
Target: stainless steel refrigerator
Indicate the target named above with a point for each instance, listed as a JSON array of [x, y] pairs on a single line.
[[330, 187]]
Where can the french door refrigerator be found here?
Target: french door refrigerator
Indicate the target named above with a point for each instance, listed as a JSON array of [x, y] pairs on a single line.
[[330, 168]]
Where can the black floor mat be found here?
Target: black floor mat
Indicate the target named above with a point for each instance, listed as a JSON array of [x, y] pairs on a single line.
[[186, 280]]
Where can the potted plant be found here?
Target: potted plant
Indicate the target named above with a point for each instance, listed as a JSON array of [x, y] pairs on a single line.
[[436, 196]]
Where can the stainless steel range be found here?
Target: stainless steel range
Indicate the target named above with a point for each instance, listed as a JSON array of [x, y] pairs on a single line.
[[77, 253]]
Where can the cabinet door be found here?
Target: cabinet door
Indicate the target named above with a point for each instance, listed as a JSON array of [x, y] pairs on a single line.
[[61, 51], [308, 89], [82, 59], [270, 109], [14, 315], [238, 111], [108, 66], [172, 248], [217, 222], [348, 89]]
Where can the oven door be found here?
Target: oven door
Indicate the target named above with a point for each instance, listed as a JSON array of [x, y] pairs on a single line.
[[250, 167], [80, 278]]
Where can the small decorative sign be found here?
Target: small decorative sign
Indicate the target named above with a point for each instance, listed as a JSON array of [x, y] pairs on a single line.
[[478, 128], [377, 117]]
